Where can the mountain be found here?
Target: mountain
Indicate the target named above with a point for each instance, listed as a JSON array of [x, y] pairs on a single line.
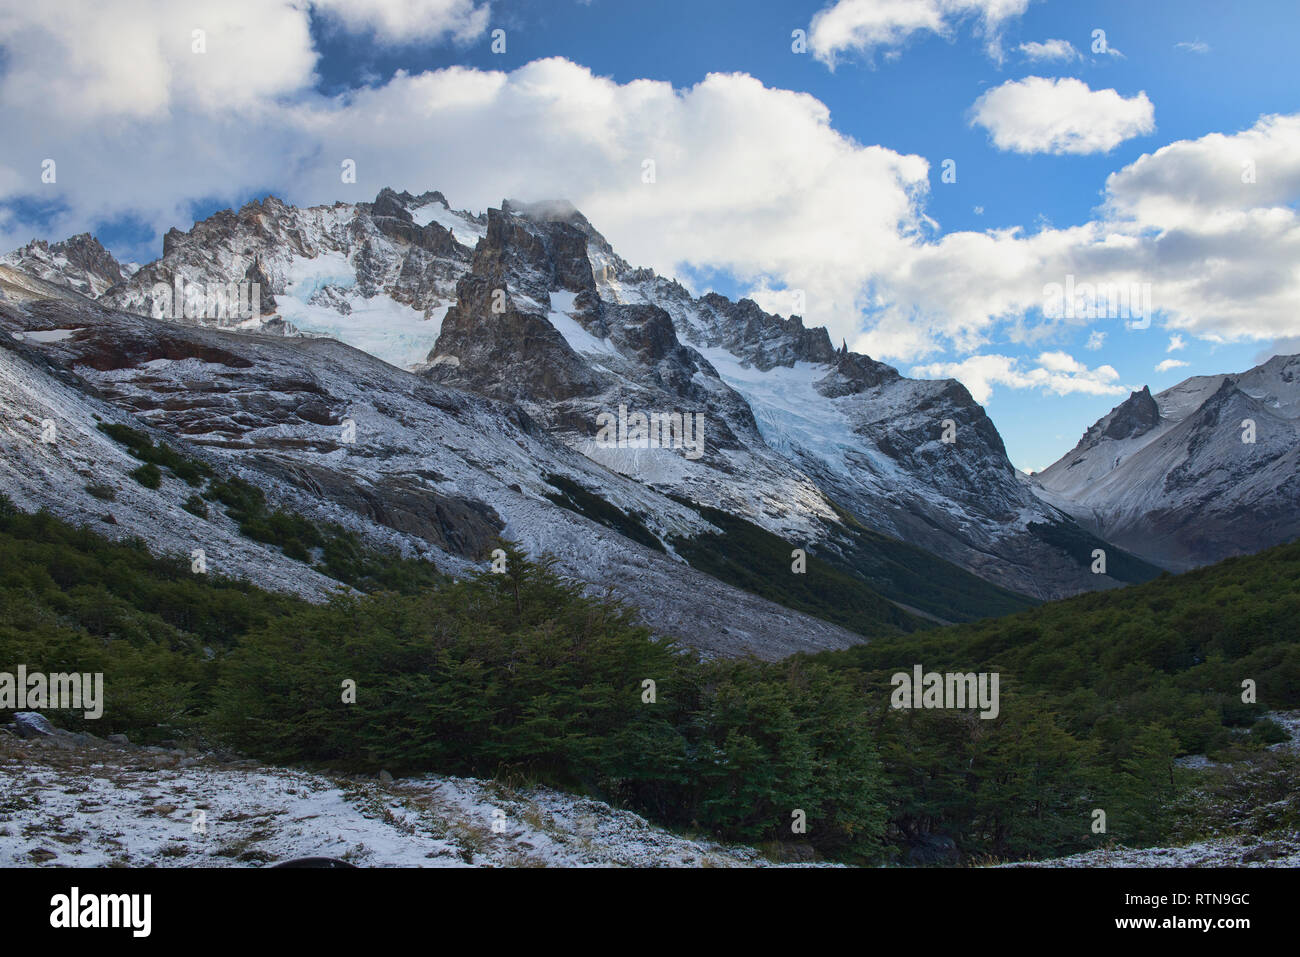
[[80, 263], [432, 472], [899, 490], [795, 424], [1181, 478]]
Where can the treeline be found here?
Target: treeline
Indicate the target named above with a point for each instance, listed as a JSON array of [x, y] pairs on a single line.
[[1100, 694], [522, 676], [518, 676]]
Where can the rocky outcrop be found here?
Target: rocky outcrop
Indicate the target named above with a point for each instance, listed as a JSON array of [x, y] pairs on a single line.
[[80, 263], [758, 338], [1135, 416]]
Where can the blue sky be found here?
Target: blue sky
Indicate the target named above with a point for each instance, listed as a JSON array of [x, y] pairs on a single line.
[[1204, 71]]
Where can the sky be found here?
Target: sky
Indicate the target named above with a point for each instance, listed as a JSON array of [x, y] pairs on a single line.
[[927, 177]]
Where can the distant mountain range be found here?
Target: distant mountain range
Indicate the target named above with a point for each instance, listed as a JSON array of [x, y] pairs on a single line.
[[436, 379], [1207, 469]]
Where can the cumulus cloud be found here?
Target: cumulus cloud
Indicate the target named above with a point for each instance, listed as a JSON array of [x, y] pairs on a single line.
[[408, 21], [1217, 177], [1049, 50], [1175, 343], [1164, 217], [1061, 115], [868, 26], [749, 179], [146, 64], [1096, 340], [1168, 364], [1055, 372]]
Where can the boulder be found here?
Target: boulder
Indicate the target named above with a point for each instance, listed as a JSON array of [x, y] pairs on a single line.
[[932, 849], [32, 724], [1263, 852]]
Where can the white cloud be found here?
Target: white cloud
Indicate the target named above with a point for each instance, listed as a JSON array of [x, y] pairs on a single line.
[[1192, 46], [409, 21], [1215, 178], [86, 60], [750, 179], [1176, 342], [1168, 364], [1056, 372], [1061, 115], [1286, 346], [866, 26], [139, 59], [1096, 340], [1049, 50], [1164, 218]]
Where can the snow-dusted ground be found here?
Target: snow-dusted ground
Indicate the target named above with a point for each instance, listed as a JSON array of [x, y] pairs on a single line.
[[74, 800], [1223, 852], [66, 802]]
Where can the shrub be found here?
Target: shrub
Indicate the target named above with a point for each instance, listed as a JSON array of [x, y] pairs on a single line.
[[196, 506], [147, 475]]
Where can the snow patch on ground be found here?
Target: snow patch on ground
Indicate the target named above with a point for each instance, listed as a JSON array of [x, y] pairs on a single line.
[[68, 801], [1223, 852], [50, 335], [579, 339]]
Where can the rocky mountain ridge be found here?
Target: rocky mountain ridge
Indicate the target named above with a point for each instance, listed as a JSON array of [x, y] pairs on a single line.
[[1206, 469], [529, 305]]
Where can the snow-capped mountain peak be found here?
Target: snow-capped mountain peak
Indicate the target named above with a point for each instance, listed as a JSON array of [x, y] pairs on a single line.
[[1198, 472]]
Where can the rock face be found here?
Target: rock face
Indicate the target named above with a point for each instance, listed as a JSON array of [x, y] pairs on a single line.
[[532, 278], [529, 305], [1134, 417], [1204, 470], [577, 332], [80, 263], [337, 436]]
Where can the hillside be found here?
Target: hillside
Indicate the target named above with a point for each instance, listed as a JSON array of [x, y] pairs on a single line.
[[519, 675], [1101, 696]]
